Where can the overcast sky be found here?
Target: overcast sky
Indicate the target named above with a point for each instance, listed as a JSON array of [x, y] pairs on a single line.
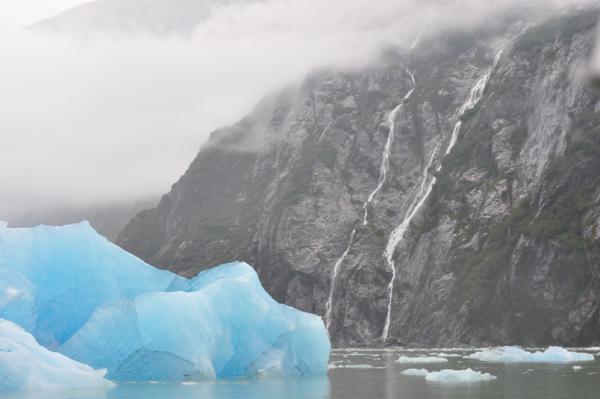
[[25, 12], [110, 120]]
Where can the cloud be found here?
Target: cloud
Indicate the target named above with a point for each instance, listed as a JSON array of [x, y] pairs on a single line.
[[24, 12], [108, 119]]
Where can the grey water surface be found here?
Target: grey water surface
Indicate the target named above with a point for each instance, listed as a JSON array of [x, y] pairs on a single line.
[[373, 374]]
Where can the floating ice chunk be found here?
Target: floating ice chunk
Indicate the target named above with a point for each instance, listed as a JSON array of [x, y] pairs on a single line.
[[100, 305], [416, 372], [421, 359], [447, 375], [577, 368], [452, 376], [511, 354], [25, 365], [447, 355]]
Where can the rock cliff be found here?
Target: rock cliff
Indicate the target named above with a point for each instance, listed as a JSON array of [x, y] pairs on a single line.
[[446, 194]]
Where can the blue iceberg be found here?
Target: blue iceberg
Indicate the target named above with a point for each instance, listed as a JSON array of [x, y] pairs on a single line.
[[88, 299]]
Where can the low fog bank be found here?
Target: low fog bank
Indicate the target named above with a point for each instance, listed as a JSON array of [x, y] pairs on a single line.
[[111, 119]]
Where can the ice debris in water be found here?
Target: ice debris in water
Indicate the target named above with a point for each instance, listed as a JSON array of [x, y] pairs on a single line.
[[421, 359], [416, 372], [25, 365], [90, 300], [443, 354], [511, 354], [467, 375], [449, 376]]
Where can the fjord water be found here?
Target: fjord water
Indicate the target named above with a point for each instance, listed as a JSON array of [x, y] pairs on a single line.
[[374, 374]]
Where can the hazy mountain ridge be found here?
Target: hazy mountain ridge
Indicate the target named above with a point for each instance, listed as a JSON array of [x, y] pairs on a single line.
[[106, 219], [505, 248]]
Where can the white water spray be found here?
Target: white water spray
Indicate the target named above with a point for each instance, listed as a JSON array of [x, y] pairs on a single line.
[[425, 188]]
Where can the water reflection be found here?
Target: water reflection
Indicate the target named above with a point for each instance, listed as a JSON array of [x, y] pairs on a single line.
[[297, 388]]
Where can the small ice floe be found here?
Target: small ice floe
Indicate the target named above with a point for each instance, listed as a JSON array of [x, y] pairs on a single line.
[[450, 376], [587, 349], [528, 371], [349, 366], [444, 354], [358, 366], [189, 383], [416, 372], [421, 359], [577, 368], [511, 354]]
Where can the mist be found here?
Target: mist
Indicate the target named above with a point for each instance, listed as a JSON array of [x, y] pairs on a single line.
[[113, 118]]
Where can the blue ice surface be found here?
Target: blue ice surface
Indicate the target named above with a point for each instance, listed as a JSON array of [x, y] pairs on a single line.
[[81, 295]]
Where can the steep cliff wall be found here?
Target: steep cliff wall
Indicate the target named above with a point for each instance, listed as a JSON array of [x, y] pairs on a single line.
[[423, 199]]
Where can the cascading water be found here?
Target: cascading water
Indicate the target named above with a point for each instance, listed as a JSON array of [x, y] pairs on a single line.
[[383, 169], [425, 188], [385, 159], [336, 269]]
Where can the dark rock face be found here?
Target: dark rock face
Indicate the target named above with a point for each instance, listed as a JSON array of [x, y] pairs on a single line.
[[502, 249]]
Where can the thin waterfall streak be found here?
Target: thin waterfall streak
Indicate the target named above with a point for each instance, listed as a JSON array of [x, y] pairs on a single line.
[[336, 269], [415, 42], [385, 159], [398, 234], [426, 188]]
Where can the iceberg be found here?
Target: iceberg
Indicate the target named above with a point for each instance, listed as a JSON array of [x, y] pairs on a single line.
[[421, 359], [25, 365], [88, 299], [511, 354]]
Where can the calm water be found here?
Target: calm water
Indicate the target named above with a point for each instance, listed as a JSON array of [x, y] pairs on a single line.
[[373, 374]]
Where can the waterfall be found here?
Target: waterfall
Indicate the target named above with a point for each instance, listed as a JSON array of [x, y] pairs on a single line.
[[425, 188], [385, 158], [383, 169], [334, 274]]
